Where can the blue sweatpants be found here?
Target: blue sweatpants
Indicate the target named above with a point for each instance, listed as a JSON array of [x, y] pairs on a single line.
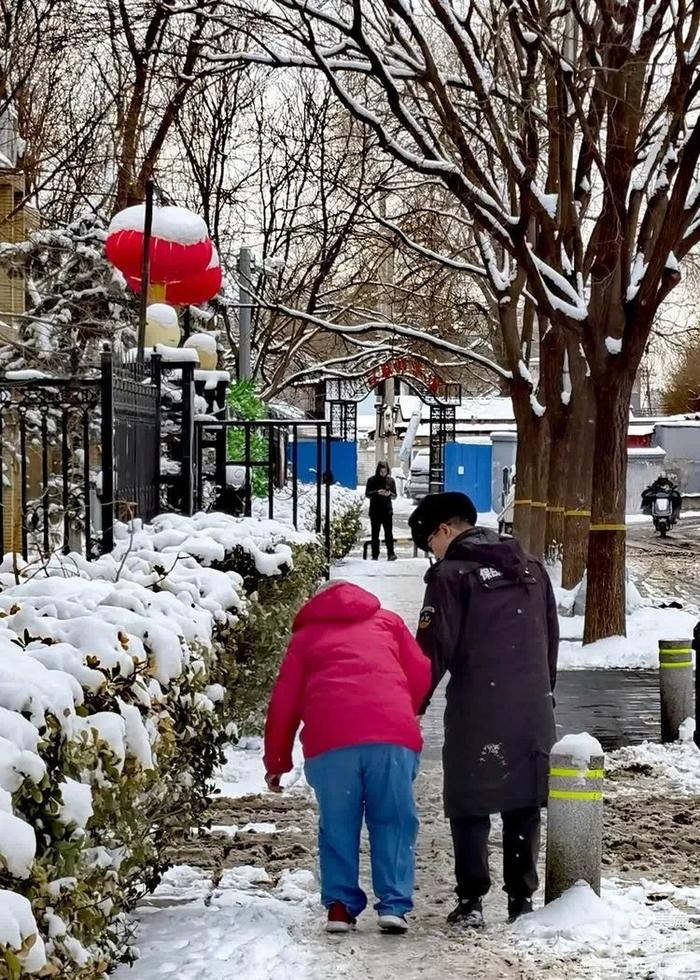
[[374, 781]]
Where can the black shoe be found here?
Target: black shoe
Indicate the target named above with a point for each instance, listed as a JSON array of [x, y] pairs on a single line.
[[469, 914], [518, 907], [391, 558]]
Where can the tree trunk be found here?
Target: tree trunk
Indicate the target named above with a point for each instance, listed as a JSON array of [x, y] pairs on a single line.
[[540, 487], [605, 599], [580, 447], [559, 457], [524, 478]]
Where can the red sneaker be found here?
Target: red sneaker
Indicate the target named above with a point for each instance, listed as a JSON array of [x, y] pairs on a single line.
[[339, 919]]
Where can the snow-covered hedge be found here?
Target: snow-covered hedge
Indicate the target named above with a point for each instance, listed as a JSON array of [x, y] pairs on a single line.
[[118, 679], [346, 513]]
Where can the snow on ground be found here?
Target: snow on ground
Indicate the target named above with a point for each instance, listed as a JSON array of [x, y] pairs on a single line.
[[645, 926], [243, 773], [193, 928], [675, 768]]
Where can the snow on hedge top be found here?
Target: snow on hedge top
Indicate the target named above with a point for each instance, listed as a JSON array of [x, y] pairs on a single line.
[[146, 612], [173, 224], [18, 931]]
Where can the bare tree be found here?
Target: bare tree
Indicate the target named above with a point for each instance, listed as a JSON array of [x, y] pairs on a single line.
[[569, 135]]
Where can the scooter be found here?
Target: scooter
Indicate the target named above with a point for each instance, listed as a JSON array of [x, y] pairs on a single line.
[[663, 514]]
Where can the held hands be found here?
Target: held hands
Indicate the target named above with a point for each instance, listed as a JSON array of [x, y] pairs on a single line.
[[273, 781]]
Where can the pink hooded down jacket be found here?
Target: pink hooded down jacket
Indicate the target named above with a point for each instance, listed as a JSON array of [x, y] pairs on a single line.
[[352, 675]]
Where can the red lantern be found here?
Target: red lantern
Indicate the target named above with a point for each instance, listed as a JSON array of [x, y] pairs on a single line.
[[185, 292], [198, 288], [179, 246]]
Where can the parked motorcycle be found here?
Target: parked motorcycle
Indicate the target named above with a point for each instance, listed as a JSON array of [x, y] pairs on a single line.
[[662, 501]]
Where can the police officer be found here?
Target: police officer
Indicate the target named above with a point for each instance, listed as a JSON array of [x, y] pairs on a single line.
[[490, 620]]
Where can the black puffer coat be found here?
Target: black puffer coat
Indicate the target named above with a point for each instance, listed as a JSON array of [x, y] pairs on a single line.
[[490, 619]]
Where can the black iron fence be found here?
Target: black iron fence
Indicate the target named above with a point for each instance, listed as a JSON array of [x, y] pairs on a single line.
[[80, 454], [239, 461]]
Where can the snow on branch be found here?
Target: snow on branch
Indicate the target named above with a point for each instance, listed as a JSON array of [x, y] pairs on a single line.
[[384, 326]]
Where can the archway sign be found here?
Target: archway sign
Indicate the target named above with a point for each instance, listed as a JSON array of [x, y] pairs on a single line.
[[343, 395], [429, 386]]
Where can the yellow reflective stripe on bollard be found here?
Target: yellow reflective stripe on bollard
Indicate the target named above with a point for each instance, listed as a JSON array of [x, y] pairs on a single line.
[[564, 794], [582, 773], [679, 650], [679, 663]]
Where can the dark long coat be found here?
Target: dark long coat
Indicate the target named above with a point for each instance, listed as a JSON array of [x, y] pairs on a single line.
[[490, 620]]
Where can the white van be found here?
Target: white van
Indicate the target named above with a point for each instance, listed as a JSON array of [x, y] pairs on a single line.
[[418, 483]]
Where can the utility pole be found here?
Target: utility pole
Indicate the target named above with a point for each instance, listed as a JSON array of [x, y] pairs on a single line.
[[245, 265], [385, 449]]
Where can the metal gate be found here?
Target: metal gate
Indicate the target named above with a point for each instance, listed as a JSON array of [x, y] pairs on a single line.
[[131, 442], [443, 424], [276, 462]]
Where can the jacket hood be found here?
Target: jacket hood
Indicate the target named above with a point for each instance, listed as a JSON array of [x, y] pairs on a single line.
[[486, 549], [343, 603]]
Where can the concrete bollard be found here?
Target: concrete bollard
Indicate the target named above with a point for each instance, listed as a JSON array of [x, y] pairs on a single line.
[[675, 686], [574, 815], [696, 736]]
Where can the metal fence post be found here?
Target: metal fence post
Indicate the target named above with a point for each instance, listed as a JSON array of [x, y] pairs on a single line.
[[186, 469], [156, 373], [107, 452]]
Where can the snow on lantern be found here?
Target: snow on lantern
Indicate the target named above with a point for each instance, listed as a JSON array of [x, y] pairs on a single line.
[[179, 247], [190, 291], [161, 326], [205, 345]]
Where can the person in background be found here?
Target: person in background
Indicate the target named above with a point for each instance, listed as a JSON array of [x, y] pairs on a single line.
[[355, 678], [381, 491], [490, 619]]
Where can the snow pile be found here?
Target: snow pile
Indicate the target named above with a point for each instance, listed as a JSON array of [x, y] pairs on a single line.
[[240, 927], [113, 682], [652, 924], [673, 768]]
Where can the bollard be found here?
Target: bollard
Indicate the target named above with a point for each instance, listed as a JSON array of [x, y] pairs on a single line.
[[574, 815], [696, 647], [675, 686]]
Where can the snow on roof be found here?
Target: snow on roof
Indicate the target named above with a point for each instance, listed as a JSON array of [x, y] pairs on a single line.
[[641, 430], [173, 224], [647, 451]]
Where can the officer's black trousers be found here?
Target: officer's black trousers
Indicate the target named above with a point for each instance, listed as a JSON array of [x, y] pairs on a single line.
[[521, 844]]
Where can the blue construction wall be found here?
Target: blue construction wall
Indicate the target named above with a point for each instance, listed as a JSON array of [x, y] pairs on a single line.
[[343, 461], [468, 470]]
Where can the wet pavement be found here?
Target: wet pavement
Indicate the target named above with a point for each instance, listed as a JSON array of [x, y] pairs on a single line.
[[618, 707]]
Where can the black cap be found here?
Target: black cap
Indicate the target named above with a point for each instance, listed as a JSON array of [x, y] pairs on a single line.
[[437, 509]]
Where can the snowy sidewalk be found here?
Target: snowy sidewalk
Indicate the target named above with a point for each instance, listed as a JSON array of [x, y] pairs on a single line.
[[243, 901]]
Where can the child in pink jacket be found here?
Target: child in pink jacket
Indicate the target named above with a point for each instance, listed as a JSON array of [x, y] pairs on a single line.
[[355, 678]]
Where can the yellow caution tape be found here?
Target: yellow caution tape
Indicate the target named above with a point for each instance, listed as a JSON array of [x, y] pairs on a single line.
[[679, 663], [571, 773], [608, 527], [578, 513], [537, 503], [522, 503], [556, 510], [561, 794]]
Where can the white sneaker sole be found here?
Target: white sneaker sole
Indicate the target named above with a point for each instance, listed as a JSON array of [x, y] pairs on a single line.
[[393, 925], [338, 928]]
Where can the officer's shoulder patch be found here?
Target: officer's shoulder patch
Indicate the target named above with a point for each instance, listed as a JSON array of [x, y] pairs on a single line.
[[426, 617]]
